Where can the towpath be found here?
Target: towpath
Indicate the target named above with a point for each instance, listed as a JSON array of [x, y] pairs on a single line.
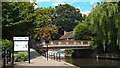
[[38, 61]]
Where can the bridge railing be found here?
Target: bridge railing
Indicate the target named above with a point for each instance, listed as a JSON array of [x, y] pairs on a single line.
[[68, 42]]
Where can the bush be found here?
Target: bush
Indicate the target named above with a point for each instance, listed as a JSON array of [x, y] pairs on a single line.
[[82, 32], [68, 51], [20, 56], [6, 43]]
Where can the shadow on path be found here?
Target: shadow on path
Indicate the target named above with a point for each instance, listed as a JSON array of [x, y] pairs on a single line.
[[33, 54]]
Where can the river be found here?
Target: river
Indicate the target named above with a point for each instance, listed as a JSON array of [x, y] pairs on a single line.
[[93, 63]]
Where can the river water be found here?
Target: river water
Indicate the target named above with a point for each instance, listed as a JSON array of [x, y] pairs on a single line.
[[93, 63]]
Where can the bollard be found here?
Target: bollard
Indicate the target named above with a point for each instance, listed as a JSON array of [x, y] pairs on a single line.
[[59, 57], [54, 56], [50, 55]]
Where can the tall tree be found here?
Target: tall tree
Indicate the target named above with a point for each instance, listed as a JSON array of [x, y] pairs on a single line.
[[43, 23], [17, 18], [43, 16], [82, 32], [47, 32], [67, 17], [105, 22]]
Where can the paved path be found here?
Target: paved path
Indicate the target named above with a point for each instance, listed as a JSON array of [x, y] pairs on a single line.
[[41, 62]]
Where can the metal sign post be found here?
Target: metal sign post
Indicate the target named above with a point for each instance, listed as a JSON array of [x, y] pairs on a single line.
[[21, 44]]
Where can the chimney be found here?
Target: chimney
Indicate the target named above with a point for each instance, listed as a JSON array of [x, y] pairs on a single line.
[[65, 32]]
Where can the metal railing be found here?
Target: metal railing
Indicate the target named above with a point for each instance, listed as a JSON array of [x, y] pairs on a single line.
[[55, 56], [7, 57]]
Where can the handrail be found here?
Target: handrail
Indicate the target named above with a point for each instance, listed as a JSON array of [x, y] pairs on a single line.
[[66, 42]]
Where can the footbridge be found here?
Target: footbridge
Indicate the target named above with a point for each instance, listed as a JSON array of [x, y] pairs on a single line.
[[67, 44]]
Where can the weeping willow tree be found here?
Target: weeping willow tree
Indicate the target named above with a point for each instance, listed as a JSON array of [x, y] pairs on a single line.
[[104, 19], [118, 25]]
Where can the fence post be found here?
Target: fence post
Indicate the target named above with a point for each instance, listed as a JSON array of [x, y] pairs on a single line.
[[7, 56], [4, 65], [54, 56], [59, 57], [10, 55], [13, 54]]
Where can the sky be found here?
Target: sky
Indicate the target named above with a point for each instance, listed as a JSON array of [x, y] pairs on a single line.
[[84, 6]]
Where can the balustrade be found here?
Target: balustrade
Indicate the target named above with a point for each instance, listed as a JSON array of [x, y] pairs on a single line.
[[68, 43]]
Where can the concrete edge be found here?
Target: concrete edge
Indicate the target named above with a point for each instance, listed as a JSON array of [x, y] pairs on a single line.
[[66, 63]]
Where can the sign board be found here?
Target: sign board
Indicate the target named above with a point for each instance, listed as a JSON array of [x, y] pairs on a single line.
[[21, 38], [21, 43]]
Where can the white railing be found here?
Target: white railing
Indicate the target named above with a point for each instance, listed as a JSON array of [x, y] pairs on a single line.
[[58, 43]]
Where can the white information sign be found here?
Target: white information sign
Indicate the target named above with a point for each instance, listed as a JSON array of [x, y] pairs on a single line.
[[20, 38], [20, 45]]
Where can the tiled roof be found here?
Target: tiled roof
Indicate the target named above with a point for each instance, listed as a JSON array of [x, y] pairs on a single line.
[[67, 35]]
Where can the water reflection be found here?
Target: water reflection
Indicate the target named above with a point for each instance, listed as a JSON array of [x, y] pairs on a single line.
[[93, 63]]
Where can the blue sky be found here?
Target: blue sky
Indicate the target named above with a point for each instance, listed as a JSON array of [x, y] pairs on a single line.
[[84, 6]]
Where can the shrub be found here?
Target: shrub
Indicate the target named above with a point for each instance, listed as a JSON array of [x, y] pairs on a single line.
[[6, 43], [20, 56], [69, 51]]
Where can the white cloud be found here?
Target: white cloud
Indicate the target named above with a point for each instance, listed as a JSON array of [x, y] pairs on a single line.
[[92, 2], [86, 12], [94, 6], [71, 1], [35, 6], [56, 4], [77, 7], [59, 0], [42, 1]]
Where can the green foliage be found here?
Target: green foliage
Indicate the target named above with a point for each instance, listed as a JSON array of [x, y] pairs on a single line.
[[69, 51], [118, 18], [66, 17], [82, 32], [20, 56], [6, 43], [16, 16], [43, 23], [20, 18], [104, 20], [43, 16], [49, 32]]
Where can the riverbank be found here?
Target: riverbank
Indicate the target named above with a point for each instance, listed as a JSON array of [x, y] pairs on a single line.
[[41, 61], [108, 56]]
